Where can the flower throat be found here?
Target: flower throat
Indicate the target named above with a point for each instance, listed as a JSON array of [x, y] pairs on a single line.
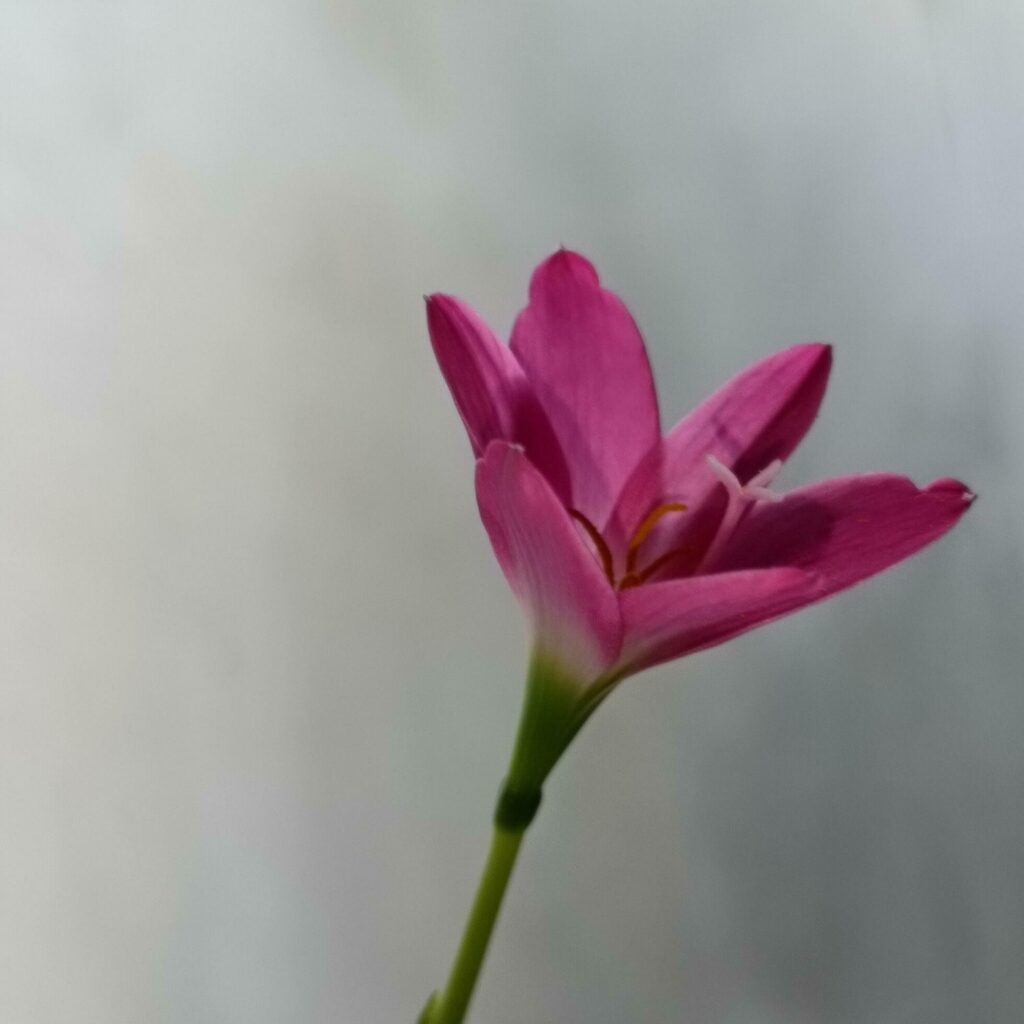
[[632, 577]]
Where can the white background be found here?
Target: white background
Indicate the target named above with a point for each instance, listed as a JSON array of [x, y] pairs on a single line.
[[259, 672]]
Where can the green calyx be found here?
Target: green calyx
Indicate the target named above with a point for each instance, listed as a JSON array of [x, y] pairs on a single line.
[[555, 706]]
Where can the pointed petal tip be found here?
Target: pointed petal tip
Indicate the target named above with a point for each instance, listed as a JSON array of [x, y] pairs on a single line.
[[497, 451], [955, 490], [505, 459], [822, 348], [809, 360], [440, 312], [440, 304], [817, 355], [563, 266]]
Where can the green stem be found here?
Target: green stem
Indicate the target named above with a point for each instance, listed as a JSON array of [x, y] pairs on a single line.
[[451, 1004], [551, 716]]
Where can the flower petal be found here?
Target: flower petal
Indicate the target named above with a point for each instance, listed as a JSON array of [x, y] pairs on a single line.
[[786, 555], [483, 376], [662, 621], [586, 361], [490, 390], [757, 417], [847, 529], [572, 607], [760, 415]]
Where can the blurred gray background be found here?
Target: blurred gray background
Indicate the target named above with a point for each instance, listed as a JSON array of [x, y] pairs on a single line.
[[259, 672]]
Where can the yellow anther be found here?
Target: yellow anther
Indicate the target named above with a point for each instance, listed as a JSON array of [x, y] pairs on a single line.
[[599, 542], [643, 531]]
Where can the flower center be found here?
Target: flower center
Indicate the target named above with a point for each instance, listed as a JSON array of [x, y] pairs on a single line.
[[740, 497], [633, 576]]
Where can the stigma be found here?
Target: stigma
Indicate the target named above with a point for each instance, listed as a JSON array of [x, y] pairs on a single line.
[[740, 497]]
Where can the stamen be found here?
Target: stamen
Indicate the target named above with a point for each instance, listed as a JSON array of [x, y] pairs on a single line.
[[632, 576], [659, 563], [599, 542], [643, 531]]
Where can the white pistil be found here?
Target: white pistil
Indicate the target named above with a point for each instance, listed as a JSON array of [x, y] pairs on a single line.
[[739, 497]]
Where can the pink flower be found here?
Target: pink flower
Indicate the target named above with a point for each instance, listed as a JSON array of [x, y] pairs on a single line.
[[627, 548]]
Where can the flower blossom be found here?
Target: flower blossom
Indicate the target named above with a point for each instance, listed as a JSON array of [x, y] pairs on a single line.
[[627, 548]]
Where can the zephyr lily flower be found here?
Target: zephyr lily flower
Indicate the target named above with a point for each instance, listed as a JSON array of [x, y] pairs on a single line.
[[627, 548]]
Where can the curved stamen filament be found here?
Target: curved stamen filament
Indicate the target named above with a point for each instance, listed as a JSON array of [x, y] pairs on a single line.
[[599, 542], [635, 579], [644, 529]]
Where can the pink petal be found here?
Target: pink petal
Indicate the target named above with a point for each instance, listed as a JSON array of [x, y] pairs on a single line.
[[490, 390], [847, 529], [572, 608], [760, 415], [662, 621], [784, 556], [585, 358]]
